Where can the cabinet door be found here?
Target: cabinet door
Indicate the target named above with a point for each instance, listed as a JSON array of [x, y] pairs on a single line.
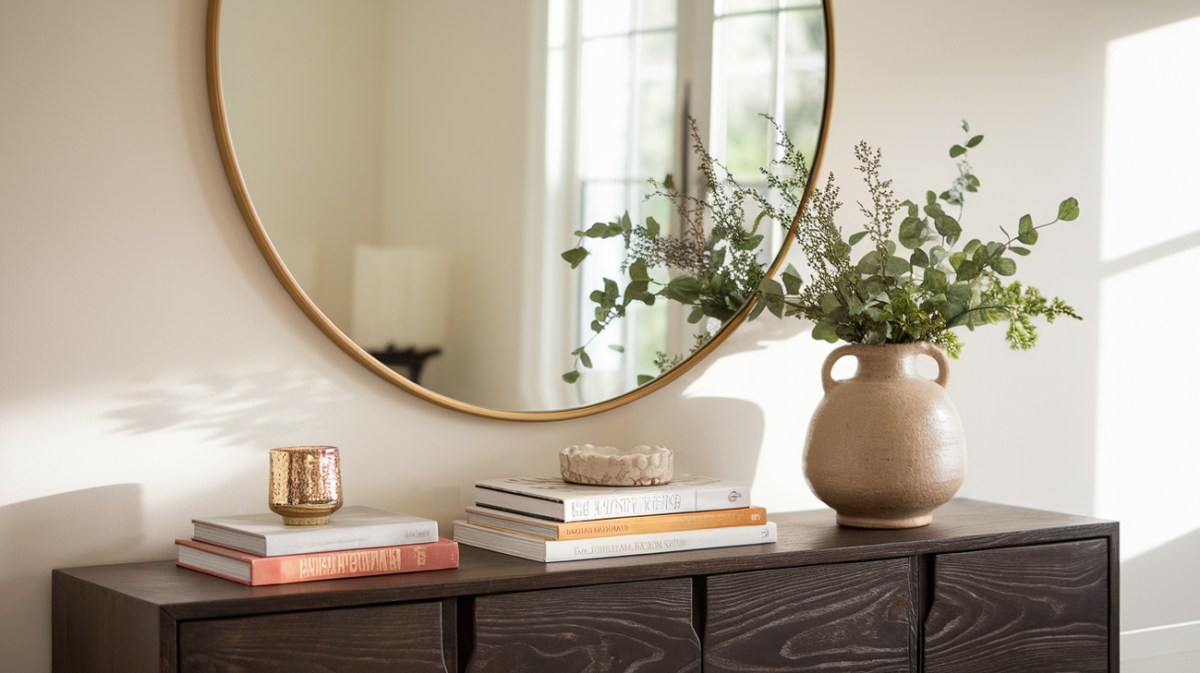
[[639, 626], [839, 617], [1039, 609], [391, 638]]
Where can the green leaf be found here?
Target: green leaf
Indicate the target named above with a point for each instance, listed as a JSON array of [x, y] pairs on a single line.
[[772, 287], [869, 263], [971, 246], [637, 270], [912, 232], [825, 331], [626, 223], [974, 141], [585, 360], [937, 255], [758, 307], [873, 287], [575, 256], [934, 281], [683, 289], [957, 151], [966, 127], [617, 347], [750, 242], [855, 238], [652, 227], [968, 270], [829, 302], [930, 198], [696, 315], [897, 266], [791, 279], [948, 227], [1025, 231], [919, 258], [956, 259], [1004, 266], [611, 289], [597, 327], [1068, 210], [1019, 250], [643, 379], [856, 305], [994, 248], [571, 376], [634, 291]]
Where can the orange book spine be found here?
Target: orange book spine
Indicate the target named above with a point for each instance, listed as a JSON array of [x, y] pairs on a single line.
[[333, 565], [663, 523]]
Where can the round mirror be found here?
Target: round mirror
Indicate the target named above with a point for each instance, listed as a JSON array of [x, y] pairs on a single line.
[[419, 168]]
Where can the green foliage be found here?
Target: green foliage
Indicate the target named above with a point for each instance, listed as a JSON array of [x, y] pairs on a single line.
[[913, 283], [888, 298], [712, 267]]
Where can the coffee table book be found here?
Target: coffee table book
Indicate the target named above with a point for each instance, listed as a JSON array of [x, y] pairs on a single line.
[[255, 570], [537, 548], [581, 530], [354, 527], [558, 500]]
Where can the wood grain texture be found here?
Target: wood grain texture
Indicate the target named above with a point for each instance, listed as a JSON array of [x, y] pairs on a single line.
[[643, 626], [1037, 609], [842, 617], [378, 639]]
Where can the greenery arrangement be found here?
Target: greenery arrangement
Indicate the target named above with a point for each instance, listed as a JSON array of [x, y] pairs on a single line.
[[885, 297]]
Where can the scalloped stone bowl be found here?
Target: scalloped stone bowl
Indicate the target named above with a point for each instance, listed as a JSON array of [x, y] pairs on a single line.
[[610, 466]]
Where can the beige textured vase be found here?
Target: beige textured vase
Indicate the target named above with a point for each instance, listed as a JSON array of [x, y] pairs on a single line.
[[885, 448]]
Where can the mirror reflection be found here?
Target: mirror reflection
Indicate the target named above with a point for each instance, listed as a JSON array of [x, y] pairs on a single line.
[[421, 166]]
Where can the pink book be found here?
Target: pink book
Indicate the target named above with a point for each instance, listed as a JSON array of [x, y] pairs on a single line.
[[255, 570]]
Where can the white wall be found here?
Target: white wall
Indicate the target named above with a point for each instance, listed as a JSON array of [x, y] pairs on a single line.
[[150, 358]]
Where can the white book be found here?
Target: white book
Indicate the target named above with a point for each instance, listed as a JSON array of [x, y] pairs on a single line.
[[550, 551], [553, 498], [355, 527]]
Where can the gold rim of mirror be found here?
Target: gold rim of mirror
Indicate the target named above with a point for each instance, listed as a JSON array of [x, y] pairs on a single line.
[[238, 184]]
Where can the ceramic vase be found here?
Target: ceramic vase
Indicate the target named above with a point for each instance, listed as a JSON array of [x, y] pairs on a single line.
[[885, 447]]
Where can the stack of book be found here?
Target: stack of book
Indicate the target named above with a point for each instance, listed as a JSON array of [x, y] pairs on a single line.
[[258, 549], [547, 519]]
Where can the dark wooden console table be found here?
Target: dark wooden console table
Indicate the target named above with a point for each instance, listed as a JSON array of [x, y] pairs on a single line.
[[984, 588]]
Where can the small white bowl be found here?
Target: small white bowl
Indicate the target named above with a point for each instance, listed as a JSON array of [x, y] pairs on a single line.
[[609, 466]]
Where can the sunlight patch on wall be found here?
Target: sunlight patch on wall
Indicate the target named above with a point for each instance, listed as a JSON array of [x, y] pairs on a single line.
[[1147, 399], [1151, 138]]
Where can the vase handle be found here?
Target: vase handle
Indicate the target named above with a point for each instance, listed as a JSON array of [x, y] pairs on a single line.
[[939, 355], [827, 380]]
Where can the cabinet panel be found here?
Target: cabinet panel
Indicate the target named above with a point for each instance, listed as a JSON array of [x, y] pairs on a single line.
[[842, 617], [389, 638], [1040, 609], [640, 626]]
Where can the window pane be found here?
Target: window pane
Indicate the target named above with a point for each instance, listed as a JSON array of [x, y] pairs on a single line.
[[606, 17]]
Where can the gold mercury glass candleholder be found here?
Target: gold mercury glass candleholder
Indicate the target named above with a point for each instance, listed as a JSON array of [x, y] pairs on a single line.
[[306, 484]]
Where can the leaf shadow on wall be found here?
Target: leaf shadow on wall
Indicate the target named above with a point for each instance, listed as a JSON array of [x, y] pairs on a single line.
[[87, 527], [236, 409]]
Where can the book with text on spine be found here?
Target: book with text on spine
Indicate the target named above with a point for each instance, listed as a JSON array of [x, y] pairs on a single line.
[[537, 548], [579, 530], [553, 498], [255, 570], [354, 527]]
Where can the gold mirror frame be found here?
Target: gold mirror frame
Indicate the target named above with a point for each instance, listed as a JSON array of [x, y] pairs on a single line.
[[238, 184]]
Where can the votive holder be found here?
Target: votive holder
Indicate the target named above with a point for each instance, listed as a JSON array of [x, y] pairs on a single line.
[[306, 484]]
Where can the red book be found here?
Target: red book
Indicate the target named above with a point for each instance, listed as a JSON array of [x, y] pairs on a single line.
[[255, 570]]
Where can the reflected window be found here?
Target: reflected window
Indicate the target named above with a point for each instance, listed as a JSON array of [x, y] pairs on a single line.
[[623, 76]]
